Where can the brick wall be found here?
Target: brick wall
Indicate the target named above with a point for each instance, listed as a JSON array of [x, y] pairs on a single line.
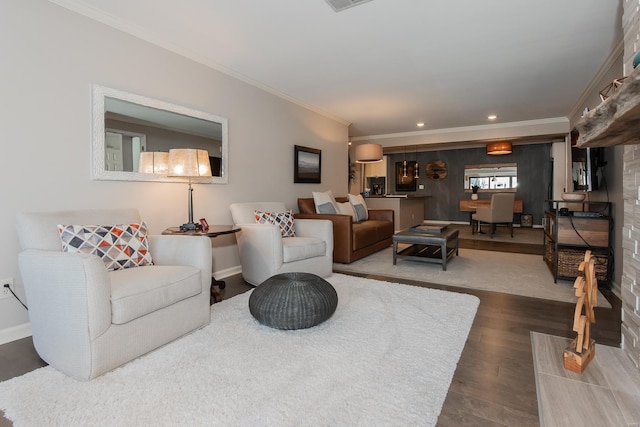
[[630, 285], [631, 33]]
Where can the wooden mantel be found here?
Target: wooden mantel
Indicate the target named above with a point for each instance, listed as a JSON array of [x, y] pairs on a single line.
[[616, 120]]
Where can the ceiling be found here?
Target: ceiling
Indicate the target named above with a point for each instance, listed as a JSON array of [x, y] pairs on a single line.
[[385, 65]]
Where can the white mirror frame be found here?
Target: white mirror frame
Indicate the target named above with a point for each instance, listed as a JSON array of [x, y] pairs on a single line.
[[98, 137]]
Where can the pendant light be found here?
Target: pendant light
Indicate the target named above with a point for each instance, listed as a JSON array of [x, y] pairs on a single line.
[[416, 167], [499, 148], [405, 172]]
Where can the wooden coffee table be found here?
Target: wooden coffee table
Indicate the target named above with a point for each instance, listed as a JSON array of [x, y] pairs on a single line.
[[435, 247]]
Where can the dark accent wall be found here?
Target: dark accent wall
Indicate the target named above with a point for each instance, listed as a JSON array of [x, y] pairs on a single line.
[[534, 179]]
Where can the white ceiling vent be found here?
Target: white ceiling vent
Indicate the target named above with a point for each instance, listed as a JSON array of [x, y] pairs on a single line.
[[339, 5]]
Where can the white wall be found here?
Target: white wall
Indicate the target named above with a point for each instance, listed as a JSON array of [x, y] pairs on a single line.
[[50, 59], [560, 179]]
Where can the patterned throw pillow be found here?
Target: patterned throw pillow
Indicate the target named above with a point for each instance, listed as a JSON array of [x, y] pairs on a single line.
[[347, 209], [284, 220], [359, 206], [325, 202], [119, 246]]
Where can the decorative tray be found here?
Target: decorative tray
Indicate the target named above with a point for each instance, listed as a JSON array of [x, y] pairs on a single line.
[[429, 228]]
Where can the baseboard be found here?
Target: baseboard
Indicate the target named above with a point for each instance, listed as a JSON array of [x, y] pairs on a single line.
[[15, 333], [221, 274]]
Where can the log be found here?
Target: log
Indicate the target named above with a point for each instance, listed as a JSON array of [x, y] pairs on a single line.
[[581, 351], [577, 361], [616, 120]]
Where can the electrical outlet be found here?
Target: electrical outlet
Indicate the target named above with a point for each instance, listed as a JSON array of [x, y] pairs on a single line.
[[4, 292]]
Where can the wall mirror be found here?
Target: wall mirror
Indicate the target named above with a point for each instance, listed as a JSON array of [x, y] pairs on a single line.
[[492, 177], [125, 125]]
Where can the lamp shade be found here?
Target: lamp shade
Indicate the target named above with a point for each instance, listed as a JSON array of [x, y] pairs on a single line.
[[189, 162], [154, 162], [368, 153], [499, 148]]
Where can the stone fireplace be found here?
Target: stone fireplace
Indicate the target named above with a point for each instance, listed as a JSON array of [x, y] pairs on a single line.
[[630, 286], [617, 121]]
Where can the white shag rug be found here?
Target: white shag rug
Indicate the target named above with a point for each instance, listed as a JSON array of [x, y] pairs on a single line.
[[511, 273], [386, 357]]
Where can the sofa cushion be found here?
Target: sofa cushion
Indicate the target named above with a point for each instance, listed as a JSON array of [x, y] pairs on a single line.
[[136, 292], [284, 220], [298, 248], [359, 206], [119, 246], [367, 233], [325, 203], [364, 234], [384, 229]]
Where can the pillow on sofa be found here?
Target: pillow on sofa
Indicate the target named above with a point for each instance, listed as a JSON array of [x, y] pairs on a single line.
[[346, 208], [325, 202], [284, 220], [119, 246], [359, 206]]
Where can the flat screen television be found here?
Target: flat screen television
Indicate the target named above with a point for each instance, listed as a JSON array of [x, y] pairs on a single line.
[[586, 168]]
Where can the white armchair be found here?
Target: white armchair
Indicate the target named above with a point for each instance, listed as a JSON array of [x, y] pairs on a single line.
[[264, 252], [87, 320]]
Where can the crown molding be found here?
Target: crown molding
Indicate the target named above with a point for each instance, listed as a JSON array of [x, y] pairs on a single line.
[[591, 88], [562, 121]]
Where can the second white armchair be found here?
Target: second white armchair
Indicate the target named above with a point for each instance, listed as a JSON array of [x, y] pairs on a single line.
[[264, 252]]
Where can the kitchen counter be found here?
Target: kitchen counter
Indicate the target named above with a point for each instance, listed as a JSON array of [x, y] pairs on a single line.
[[408, 211]]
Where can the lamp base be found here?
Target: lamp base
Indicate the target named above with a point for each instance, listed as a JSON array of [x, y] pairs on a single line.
[[190, 226]]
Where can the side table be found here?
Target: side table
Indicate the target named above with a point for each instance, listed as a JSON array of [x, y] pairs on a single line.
[[212, 231]]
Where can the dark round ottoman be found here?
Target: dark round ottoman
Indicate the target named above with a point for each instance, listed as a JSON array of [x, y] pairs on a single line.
[[293, 301]]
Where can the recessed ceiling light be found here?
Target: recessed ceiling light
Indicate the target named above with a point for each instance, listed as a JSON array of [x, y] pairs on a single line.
[[492, 117], [420, 124]]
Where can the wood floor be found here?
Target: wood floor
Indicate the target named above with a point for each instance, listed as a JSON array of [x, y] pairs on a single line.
[[494, 383]]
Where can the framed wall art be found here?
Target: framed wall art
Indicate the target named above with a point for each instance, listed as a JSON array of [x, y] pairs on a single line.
[[405, 183], [307, 165]]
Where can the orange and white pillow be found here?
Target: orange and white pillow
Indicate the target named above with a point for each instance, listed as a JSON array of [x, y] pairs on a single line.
[[284, 220], [119, 246]]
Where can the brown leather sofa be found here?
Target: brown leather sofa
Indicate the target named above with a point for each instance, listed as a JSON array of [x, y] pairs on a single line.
[[352, 241]]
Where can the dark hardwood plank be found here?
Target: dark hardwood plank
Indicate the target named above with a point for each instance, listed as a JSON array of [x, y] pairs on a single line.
[[463, 410]]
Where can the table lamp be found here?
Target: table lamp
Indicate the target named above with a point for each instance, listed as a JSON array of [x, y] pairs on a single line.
[[189, 163], [154, 162]]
